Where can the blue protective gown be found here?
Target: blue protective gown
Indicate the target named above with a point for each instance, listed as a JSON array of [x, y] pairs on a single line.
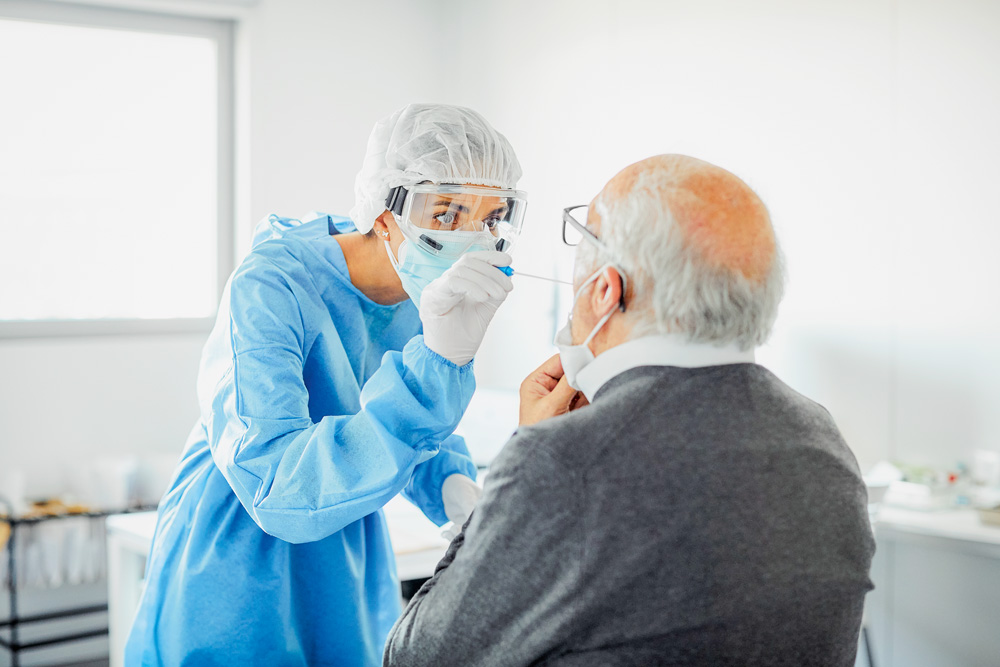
[[318, 405]]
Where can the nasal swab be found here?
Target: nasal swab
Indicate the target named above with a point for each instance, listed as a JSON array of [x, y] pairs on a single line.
[[506, 270], [553, 280]]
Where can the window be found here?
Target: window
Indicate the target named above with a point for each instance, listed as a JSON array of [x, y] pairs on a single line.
[[115, 170]]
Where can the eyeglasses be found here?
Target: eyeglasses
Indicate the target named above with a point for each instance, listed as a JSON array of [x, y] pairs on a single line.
[[573, 231]]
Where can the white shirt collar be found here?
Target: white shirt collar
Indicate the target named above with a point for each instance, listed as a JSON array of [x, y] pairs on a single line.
[[661, 350]]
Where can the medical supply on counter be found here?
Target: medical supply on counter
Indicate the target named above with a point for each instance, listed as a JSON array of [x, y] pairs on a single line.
[[13, 490], [986, 467], [911, 495], [989, 515], [923, 488]]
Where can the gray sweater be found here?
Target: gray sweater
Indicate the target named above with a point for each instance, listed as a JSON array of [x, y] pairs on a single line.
[[688, 516]]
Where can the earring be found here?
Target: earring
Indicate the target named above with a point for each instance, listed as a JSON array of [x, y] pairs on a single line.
[[381, 232]]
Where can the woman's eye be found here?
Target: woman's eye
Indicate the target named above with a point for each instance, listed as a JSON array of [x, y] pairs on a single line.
[[492, 222], [446, 219]]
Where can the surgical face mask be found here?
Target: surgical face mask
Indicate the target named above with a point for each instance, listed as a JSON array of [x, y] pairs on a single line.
[[416, 268], [420, 263], [455, 244], [576, 357]]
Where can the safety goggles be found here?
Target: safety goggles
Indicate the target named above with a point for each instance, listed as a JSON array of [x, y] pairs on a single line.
[[449, 220]]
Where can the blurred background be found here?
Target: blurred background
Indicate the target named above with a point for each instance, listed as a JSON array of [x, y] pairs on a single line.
[[140, 141]]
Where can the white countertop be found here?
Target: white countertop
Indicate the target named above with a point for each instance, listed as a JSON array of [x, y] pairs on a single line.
[[952, 524], [416, 541]]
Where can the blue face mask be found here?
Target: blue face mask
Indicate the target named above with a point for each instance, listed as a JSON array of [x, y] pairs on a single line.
[[424, 259], [417, 267]]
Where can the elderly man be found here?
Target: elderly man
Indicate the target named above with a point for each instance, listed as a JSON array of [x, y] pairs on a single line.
[[689, 508]]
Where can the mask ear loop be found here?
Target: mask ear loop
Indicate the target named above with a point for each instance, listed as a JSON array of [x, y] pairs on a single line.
[[607, 315], [392, 258], [600, 323]]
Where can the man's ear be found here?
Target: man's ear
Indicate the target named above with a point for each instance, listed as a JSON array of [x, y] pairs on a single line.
[[607, 292]]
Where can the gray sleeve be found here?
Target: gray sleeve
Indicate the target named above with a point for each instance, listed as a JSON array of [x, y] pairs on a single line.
[[504, 589]]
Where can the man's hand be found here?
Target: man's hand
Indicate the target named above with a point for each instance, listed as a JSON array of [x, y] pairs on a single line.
[[545, 393]]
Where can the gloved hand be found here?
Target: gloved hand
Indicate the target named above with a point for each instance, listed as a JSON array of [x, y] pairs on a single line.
[[457, 307], [460, 495]]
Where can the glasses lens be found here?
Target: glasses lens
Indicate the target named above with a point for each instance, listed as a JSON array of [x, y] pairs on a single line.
[[453, 220], [459, 212], [571, 233]]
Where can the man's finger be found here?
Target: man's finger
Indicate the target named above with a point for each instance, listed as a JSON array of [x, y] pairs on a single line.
[[551, 367], [562, 394], [539, 379], [546, 377]]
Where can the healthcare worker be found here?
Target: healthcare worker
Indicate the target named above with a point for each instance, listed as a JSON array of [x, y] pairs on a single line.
[[338, 368]]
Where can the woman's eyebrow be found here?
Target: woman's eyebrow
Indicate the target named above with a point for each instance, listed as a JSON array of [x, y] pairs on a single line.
[[451, 204]]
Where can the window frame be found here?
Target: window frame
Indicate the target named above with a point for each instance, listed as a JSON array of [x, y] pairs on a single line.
[[222, 31]]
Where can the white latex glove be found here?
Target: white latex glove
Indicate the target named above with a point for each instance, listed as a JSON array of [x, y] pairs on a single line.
[[460, 495], [457, 307]]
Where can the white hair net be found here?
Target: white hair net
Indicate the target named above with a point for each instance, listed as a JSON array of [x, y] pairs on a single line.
[[439, 143]]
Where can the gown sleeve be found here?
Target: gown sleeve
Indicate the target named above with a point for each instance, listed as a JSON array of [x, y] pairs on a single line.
[[302, 481], [424, 487]]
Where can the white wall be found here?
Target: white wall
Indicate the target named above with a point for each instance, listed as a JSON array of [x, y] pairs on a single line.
[[320, 74], [868, 128]]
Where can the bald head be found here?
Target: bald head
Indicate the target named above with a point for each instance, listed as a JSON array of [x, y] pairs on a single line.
[[699, 246], [716, 213]]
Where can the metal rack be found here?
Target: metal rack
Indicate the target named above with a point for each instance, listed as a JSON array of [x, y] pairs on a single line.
[[12, 644]]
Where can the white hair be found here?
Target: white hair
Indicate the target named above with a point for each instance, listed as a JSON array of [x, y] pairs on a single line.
[[675, 290]]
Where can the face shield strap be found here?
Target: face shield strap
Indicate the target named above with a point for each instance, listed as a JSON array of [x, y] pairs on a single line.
[[395, 200]]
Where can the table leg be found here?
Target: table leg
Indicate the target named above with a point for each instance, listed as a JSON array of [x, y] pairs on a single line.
[[125, 570], [15, 653]]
